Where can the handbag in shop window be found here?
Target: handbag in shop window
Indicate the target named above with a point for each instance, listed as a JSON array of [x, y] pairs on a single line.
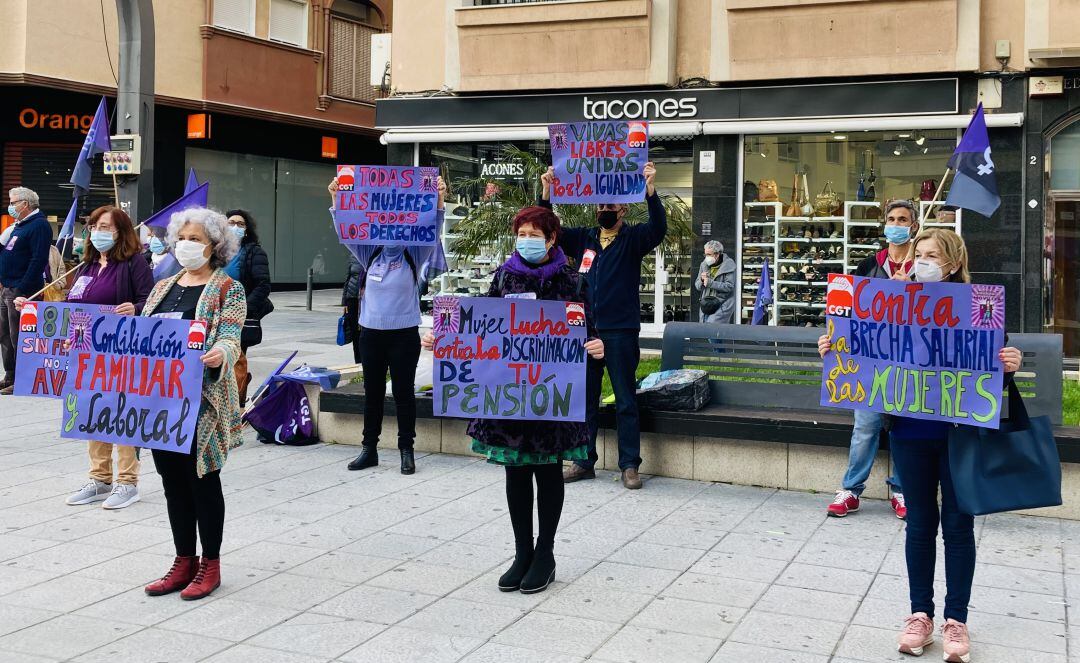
[[826, 202]]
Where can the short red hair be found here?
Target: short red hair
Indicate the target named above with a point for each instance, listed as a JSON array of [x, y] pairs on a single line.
[[540, 218]]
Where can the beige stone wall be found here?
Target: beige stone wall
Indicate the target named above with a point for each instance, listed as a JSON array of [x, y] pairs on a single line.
[[418, 45], [692, 50], [13, 46], [1001, 19], [1064, 22]]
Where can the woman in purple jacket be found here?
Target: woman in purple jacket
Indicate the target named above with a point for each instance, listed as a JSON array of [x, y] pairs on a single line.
[[538, 269], [113, 273]]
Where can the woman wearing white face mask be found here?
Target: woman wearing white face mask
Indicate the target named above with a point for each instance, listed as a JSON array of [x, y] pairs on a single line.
[[203, 245], [251, 267], [920, 452]]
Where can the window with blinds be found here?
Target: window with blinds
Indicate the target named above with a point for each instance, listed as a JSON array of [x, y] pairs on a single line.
[[350, 60], [238, 15], [288, 22]]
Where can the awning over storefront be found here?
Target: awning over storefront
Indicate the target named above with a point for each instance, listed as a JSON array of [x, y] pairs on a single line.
[[506, 134], [887, 123]]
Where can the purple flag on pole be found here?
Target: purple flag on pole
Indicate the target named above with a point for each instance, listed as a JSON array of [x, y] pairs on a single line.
[[764, 297], [96, 142], [974, 185], [192, 182], [67, 231], [196, 198]]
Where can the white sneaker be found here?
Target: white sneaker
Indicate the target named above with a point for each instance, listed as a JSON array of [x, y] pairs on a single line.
[[93, 491], [124, 494]]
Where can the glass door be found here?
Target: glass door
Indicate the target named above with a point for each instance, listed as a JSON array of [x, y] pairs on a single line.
[[1061, 270]]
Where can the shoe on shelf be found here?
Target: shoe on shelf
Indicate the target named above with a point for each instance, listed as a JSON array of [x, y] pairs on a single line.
[[574, 472], [898, 505], [917, 635], [369, 457], [957, 644], [123, 495], [408, 461], [93, 491], [178, 577], [844, 503], [206, 580], [631, 480]]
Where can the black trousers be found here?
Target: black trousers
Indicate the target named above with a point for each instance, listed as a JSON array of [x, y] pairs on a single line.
[[193, 503], [396, 350], [352, 315]]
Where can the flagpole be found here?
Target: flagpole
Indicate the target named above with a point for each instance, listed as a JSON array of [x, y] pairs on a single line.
[[937, 195]]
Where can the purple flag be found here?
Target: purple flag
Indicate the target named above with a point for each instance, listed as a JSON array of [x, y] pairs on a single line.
[[192, 182], [974, 185], [196, 198], [284, 415], [599, 162], [509, 358], [96, 142], [67, 231], [764, 297], [928, 350]]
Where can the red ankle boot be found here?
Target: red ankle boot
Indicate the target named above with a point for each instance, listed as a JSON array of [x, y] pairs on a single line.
[[177, 578], [206, 580]]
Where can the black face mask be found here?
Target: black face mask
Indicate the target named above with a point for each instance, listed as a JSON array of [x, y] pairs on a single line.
[[607, 219]]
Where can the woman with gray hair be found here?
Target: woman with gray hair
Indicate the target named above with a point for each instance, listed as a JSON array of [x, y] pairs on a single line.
[[202, 243], [716, 283]]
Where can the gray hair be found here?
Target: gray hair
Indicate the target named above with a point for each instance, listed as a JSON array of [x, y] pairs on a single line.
[[715, 246], [22, 193], [223, 244], [898, 204]]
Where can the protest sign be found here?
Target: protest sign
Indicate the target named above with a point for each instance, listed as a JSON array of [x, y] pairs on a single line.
[[387, 205], [46, 332], [599, 162], [509, 358], [922, 350], [136, 381]]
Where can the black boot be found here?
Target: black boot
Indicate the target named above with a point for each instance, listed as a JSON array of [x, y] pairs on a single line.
[[369, 457], [408, 461], [511, 580], [541, 572]]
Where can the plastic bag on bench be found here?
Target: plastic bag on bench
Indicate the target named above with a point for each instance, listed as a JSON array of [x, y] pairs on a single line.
[[683, 389]]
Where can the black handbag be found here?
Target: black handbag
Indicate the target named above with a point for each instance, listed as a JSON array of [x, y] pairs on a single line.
[[710, 304], [1014, 467]]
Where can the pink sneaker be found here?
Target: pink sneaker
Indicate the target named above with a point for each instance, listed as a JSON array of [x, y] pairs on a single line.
[[918, 633], [844, 503], [957, 645], [898, 506]]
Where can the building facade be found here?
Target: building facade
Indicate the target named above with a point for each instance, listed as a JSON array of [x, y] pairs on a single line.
[[261, 97], [836, 106]]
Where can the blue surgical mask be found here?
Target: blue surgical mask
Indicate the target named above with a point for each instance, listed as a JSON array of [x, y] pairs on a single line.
[[897, 234], [532, 249], [157, 247], [12, 211], [238, 231], [102, 240]]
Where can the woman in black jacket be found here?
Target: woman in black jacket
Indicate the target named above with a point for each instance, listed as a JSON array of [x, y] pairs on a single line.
[[251, 267], [350, 299]]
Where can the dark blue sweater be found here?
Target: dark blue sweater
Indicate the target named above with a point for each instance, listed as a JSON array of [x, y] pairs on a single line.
[[615, 277], [24, 258]]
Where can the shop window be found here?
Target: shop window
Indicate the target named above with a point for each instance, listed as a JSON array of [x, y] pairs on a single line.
[[288, 22], [350, 60], [1061, 242], [825, 216], [238, 15]]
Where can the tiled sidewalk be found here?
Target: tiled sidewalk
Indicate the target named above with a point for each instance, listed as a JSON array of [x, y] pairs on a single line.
[[324, 564]]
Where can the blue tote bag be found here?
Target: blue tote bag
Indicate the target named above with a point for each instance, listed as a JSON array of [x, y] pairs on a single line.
[[1014, 467]]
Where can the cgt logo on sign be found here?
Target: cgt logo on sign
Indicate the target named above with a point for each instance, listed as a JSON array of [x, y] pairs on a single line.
[[840, 295], [575, 314], [28, 319], [632, 109]]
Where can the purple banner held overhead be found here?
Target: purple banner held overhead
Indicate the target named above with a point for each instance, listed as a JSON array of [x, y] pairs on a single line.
[[509, 359], [921, 350], [387, 205], [599, 162], [47, 331], [136, 381]]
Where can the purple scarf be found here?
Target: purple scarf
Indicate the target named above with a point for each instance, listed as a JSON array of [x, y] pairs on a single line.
[[516, 265]]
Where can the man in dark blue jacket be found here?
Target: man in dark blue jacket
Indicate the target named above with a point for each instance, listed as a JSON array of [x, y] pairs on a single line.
[[23, 261], [610, 255]]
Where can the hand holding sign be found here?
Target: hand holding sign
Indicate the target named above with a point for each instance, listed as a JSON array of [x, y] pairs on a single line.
[[214, 358]]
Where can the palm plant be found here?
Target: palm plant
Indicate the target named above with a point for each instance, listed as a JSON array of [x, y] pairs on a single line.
[[488, 221]]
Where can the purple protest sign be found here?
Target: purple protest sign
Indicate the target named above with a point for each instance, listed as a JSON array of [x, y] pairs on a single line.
[[136, 381], [47, 331], [923, 350], [599, 162], [509, 359], [387, 205]]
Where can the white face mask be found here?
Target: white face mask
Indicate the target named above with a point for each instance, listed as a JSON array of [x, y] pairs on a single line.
[[710, 260], [928, 272], [190, 254]]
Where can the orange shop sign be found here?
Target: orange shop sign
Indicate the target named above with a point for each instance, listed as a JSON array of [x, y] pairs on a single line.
[[32, 118]]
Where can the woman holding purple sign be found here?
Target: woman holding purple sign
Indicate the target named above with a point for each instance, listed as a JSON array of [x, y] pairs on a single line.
[[113, 273], [920, 451], [537, 270]]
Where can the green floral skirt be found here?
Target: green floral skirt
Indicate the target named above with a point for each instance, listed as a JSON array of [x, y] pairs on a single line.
[[516, 457]]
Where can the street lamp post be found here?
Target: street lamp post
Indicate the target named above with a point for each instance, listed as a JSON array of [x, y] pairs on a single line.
[[135, 101]]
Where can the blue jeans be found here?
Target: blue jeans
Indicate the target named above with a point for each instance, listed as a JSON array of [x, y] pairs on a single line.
[[922, 465], [621, 356], [865, 437]]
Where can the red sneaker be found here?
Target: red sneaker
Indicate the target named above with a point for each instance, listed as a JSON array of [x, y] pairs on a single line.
[[177, 578], [844, 503], [206, 580], [898, 506]]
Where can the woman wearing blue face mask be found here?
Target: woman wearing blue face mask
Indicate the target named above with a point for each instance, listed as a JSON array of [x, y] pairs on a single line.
[[251, 267], [162, 263]]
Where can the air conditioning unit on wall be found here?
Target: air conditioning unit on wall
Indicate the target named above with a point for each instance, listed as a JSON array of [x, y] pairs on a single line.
[[380, 61]]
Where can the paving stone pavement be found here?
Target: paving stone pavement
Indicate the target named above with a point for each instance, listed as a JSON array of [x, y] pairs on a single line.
[[322, 564]]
